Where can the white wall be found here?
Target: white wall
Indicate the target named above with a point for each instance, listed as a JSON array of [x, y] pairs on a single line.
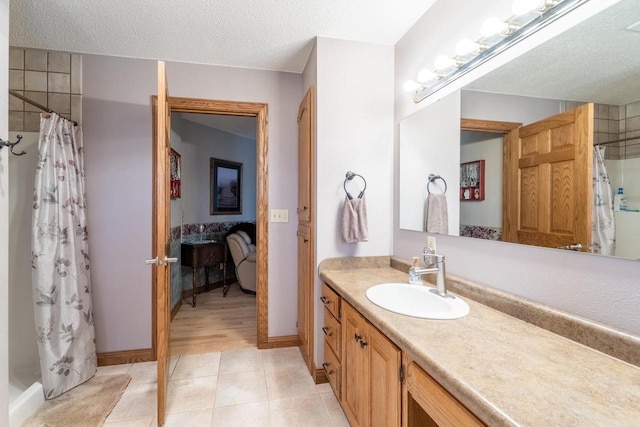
[[430, 137], [507, 108], [201, 143], [354, 133], [4, 214], [177, 145], [487, 212], [118, 140], [584, 284]]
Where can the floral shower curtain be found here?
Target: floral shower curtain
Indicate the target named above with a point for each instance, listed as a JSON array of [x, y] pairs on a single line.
[[603, 234], [60, 259]]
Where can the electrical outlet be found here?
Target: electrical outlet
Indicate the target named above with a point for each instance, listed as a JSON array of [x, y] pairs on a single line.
[[279, 215], [431, 243]]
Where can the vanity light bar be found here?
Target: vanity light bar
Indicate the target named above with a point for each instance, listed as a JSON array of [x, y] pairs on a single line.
[[553, 10]]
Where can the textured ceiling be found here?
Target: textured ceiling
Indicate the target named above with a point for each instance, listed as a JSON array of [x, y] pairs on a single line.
[[596, 61], [261, 34]]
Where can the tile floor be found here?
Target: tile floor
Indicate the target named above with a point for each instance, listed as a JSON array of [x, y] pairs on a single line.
[[246, 387]]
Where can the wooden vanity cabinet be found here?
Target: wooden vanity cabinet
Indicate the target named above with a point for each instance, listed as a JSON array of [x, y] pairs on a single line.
[[332, 330], [371, 389], [425, 403]]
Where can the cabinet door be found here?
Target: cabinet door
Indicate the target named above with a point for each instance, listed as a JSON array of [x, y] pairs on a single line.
[[384, 364], [355, 364], [305, 290], [306, 147], [428, 404]]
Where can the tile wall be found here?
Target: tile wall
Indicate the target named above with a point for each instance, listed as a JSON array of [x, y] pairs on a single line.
[[53, 79], [618, 122]]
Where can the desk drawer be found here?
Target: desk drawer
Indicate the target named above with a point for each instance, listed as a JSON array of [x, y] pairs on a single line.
[[333, 370], [332, 332], [331, 301]]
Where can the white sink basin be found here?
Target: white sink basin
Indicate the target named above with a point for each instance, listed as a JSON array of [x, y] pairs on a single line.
[[416, 301]]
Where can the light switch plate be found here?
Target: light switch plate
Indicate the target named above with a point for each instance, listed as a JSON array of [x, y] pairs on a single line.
[[279, 215]]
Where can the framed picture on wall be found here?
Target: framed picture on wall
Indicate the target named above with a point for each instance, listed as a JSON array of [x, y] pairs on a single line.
[[472, 181], [226, 187], [175, 171]]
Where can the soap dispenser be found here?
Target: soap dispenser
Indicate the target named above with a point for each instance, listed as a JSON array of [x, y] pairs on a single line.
[[414, 277]]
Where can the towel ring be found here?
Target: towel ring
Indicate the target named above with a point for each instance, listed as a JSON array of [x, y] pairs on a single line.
[[349, 176], [432, 178]]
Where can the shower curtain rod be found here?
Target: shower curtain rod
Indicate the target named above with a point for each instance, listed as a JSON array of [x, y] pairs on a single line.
[[617, 140], [38, 105]]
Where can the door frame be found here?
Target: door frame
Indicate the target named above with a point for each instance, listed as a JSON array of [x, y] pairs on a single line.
[[506, 129], [260, 112]]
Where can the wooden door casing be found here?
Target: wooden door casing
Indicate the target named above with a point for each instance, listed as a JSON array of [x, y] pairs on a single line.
[[551, 180]]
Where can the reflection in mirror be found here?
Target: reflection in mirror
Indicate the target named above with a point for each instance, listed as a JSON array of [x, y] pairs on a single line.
[[596, 61]]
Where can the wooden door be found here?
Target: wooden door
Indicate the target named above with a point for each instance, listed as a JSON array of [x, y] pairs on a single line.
[[385, 359], [355, 367], [160, 237], [305, 288], [306, 168], [551, 181]]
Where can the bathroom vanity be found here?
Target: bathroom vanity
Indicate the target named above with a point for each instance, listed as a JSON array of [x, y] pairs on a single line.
[[488, 368]]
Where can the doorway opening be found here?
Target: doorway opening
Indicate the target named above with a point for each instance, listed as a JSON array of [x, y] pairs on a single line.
[[258, 112]]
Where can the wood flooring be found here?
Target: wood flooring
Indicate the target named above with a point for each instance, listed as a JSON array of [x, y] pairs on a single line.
[[215, 324]]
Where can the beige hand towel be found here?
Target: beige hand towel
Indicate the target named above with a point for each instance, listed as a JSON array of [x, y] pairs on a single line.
[[354, 220], [436, 214]]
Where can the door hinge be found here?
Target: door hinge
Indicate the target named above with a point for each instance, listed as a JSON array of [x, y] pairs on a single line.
[[401, 374]]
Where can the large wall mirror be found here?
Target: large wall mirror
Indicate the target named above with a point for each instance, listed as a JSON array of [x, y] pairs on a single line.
[[588, 76]]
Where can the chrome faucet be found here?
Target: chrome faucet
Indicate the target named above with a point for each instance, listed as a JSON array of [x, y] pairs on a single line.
[[431, 259]]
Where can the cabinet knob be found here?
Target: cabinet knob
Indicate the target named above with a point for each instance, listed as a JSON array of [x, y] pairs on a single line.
[[324, 300], [357, 337], [363, 344], [326, 331]]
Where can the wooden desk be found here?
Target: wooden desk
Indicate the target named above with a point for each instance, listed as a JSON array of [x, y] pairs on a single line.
[[202, 254]]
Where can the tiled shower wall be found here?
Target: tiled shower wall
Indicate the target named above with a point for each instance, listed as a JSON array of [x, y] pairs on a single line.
[[618, 122], [53, 79]]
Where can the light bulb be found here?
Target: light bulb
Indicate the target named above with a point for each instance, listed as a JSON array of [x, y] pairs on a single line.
[[410, 86], [466, 46], [492, 26], [443, 62], [425, 76], [521, 7]]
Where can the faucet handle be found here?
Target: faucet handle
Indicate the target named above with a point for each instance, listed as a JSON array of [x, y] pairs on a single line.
[[429, 256]]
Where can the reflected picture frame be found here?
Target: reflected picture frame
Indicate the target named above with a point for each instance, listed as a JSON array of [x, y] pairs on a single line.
[[175, 170], [225, 187]]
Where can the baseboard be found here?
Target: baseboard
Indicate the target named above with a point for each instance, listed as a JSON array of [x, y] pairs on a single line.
[[283, 341], [175, 309], [320, 377], [126, 356]]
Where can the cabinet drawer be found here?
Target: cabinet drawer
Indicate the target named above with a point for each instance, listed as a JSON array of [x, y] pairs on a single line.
[[332, 332], [333, 369], [331, 301]]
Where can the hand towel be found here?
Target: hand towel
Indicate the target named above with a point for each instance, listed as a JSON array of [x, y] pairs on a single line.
[[354, 220], [436, 214]]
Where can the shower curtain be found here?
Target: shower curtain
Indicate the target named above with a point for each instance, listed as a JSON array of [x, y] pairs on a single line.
[[60, 259], [603, 233]]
